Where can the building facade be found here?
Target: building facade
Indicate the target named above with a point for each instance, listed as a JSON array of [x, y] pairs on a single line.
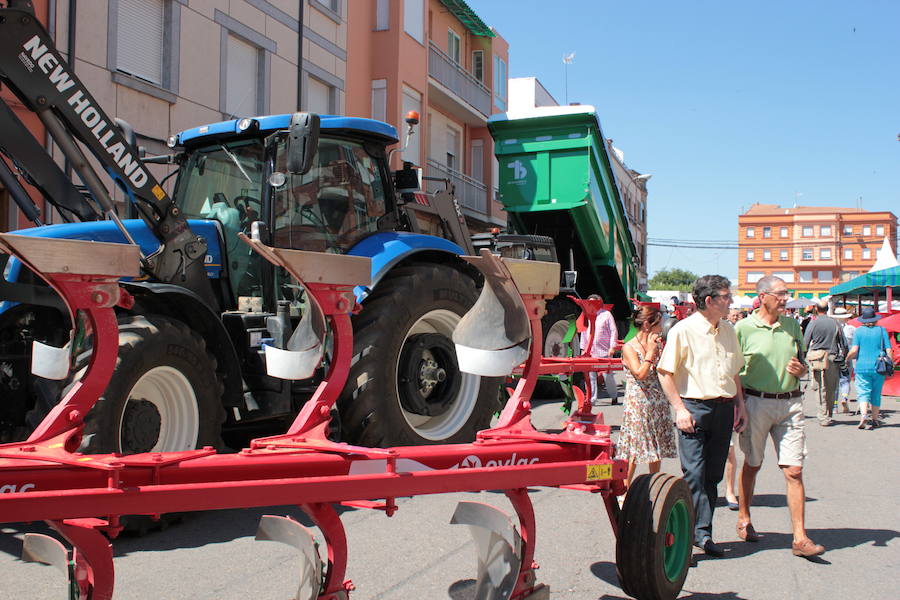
[[140, 60], [811, 248], [633, 190], [438, 58]]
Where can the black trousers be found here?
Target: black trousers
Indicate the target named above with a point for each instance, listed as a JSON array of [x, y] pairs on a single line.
[[703, 456]]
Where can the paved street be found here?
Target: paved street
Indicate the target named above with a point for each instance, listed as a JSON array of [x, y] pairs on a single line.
[[852, 485]]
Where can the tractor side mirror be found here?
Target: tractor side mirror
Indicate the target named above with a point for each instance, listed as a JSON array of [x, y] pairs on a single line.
[[408, 179], [302, 142]]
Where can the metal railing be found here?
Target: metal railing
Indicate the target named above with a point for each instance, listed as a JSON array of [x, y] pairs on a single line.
[[459, 81], [469, 192]]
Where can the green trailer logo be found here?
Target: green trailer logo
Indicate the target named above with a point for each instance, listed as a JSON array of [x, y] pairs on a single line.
[[519, 172]]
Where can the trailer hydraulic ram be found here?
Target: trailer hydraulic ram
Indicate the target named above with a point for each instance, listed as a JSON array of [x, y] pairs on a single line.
[[83, 496]]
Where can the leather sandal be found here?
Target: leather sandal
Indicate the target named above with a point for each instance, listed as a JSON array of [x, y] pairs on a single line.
[[807, 548], [747, 533]]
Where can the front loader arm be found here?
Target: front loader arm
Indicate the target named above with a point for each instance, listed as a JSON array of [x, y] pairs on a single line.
[[36, 73]]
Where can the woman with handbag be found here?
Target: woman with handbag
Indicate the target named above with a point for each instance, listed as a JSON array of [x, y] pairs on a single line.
[[874, 361]]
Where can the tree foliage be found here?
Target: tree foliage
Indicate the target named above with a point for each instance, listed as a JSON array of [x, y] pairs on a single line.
[[672, 279]]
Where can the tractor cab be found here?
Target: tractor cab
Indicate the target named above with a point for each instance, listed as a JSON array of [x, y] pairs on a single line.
[[241, 171]]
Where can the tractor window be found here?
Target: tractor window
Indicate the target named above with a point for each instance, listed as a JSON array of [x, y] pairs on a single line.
[[223, 182], [334, 205]]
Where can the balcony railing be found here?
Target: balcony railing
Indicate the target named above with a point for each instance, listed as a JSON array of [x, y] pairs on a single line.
[[459, 81], [469, 193]]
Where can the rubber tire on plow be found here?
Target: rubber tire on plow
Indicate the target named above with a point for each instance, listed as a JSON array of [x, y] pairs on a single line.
[[656, 528], [164, 395], [554, 326], [404, 386]]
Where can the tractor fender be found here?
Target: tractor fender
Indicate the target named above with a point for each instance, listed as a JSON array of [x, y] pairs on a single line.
[[389, 249], [186, 306]]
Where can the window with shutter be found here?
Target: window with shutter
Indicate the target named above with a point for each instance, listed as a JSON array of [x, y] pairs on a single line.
[[140, 39], [379, 99], [241, 78], [318, 97]]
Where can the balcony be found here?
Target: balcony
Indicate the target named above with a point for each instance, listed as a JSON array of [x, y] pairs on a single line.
[[470, 194], [460, 83]]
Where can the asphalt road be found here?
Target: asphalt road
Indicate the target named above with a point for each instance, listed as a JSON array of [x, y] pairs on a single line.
[[852, 482]]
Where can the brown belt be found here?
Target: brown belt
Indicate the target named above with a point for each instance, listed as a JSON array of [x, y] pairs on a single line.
[[779, 396]]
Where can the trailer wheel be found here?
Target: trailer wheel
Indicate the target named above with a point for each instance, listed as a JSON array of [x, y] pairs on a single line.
[[404, 386], [653, 549], [164, 394], [554, 326]]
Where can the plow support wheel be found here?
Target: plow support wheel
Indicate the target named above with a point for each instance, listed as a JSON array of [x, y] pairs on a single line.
[[498, 545], [290, 532]]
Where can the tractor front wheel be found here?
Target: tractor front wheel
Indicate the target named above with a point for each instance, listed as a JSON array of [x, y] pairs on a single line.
[[164, 395]]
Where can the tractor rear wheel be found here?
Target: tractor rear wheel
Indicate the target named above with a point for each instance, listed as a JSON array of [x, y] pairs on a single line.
[[656, 527], [405, 387]]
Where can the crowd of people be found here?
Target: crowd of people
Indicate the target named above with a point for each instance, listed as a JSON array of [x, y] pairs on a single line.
[[723, 374]]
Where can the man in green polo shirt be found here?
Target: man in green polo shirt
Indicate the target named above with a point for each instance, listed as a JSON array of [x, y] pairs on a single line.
[[773, 348]]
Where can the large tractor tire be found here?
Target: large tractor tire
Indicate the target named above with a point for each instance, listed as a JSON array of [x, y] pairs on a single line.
[[164, 394], [656, 528], [404, 386], [555, 326]]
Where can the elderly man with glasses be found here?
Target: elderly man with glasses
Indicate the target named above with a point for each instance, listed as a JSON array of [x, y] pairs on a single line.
[[773, 348], [698, 370]]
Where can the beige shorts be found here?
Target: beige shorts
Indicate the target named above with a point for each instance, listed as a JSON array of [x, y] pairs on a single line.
[[783, 420]]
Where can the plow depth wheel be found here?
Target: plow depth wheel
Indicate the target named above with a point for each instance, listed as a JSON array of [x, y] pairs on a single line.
[[653, 549]]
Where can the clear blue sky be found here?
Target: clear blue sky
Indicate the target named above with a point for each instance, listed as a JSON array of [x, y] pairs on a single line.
[[726, 103]]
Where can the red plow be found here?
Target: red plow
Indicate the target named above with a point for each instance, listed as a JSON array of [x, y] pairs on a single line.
[[83, 497]]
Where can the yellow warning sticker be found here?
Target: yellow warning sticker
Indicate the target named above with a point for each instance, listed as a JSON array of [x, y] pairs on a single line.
[[595, 472], [158, 192]]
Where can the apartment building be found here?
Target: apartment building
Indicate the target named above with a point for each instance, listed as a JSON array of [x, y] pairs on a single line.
[[167, 65], [633, 191], [811, 248], [438, 58]]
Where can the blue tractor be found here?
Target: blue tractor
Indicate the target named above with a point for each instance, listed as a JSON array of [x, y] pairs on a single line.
[[191, 363]]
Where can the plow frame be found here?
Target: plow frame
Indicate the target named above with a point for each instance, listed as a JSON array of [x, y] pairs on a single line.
[[83, 496]]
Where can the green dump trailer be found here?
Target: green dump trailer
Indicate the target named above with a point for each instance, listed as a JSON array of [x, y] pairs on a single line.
[[556, 180]]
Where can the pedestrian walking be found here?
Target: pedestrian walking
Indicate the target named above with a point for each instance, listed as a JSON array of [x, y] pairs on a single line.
[[606, 335], [823, 340], [647, 434], [772, 346], [869, 343], [845, 369], [698, 371]]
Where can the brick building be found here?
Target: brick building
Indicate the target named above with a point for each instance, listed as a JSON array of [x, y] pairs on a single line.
[[439, 58], [812, 248]]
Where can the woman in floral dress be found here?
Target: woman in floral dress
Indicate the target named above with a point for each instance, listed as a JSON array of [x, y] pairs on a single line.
[[647, 434]]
